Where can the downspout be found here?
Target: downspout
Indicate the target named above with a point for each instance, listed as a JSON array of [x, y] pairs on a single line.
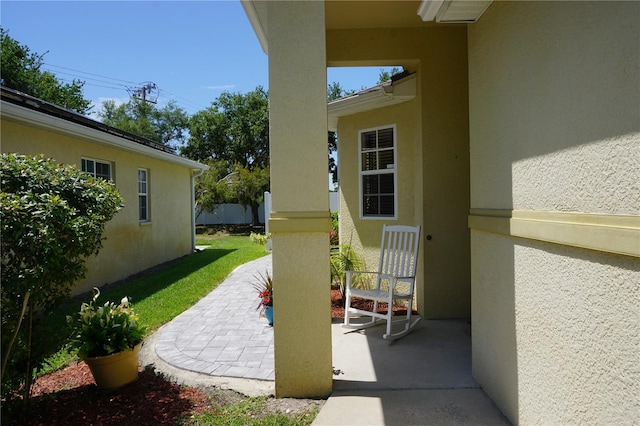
[[194, 174]]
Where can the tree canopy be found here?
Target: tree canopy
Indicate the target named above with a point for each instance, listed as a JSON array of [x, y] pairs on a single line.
[[20, 70], [211, 187], [235, 129], [334, 91], [167, 125], [386, 75]]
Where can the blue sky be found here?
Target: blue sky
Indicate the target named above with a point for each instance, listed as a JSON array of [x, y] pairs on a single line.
[[192, 50]]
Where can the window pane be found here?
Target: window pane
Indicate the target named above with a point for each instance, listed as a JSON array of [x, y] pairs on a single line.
[[143, 207], [385, 138], [368, 140], [377, 174], [370, 185], [385, 159], [103, 170], [386, 205], [369, 161], [87, 166], [142, 175], [142, 188], [370, 205], [386, 184]]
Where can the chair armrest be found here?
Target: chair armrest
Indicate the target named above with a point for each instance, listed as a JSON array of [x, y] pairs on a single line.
[[393, 280], [350, 274]]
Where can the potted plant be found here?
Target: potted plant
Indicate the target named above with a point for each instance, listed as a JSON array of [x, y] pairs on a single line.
[[108, 338], [264, 286]]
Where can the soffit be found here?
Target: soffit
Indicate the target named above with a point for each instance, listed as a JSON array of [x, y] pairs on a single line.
[[372, 14], [345, 14]]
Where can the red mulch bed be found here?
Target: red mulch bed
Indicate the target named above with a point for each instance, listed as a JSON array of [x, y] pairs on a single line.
[[70, 396], [337, 305]]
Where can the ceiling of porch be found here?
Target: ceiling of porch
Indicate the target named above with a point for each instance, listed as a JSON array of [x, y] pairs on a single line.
[[344, 14], [373, 14]]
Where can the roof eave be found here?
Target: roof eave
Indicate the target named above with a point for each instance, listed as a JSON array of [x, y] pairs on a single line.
[[31, 117], [381, 96], [256, 12]]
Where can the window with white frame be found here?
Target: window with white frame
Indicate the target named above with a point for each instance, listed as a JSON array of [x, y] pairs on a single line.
[[143, 195], [377, 172], [95, 168]]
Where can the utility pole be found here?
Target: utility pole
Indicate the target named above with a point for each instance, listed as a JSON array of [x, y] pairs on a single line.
[[147, 92]]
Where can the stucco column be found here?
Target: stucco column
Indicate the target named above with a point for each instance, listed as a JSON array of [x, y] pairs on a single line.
[[299, 220]]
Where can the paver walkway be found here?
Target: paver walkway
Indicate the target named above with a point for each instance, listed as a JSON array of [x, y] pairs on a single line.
[[223, 334]]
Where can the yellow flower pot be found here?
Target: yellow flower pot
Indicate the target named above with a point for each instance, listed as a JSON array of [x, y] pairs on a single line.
[[115, 370]]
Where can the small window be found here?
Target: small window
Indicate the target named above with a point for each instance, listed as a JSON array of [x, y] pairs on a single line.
[[97, 168], [377, 173], [143, 195]]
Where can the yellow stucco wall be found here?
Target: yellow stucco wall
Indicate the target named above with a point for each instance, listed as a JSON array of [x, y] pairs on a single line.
[[554, 127], [365, 234], [130, 246], [434, 181], [299, 217]]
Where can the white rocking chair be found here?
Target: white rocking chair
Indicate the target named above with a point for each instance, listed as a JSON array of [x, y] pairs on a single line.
[[398, 260]]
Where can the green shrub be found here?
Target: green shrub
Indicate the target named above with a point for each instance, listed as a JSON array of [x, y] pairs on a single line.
[[345, 258], [52, 218], [334, 237], [260, 238]]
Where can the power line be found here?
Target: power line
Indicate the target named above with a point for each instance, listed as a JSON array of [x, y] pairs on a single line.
[[89, 73], [84, 78], [135, 91], [184, 100]]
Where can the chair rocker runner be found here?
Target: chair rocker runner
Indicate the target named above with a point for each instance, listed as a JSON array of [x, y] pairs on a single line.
[[397, 268]]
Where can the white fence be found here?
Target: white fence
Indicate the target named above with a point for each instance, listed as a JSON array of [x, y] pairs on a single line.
[[235, 214], [229, 214]]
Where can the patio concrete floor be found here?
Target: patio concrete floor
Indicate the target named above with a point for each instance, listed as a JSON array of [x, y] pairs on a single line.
[[422, 379]]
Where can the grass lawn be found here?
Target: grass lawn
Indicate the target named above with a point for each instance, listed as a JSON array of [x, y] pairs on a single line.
[[157, 296]]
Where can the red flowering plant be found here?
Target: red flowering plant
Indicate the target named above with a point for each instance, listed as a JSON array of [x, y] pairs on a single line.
[[264, 286]]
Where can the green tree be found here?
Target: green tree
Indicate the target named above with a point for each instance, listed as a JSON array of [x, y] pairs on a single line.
[[334, 91], [208, 137], [234, 133], [53, 217], [167, 125], [386, 75], [235, 128], [20, 70], [249, 187], [212, 189]]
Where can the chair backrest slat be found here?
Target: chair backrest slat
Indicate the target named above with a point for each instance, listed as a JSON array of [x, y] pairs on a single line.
[[399, 250]]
